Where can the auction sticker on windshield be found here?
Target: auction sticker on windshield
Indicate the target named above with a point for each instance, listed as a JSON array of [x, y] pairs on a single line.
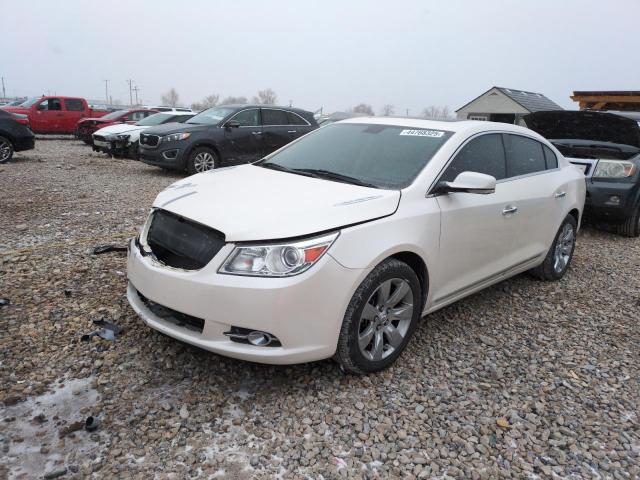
[[423, 133]]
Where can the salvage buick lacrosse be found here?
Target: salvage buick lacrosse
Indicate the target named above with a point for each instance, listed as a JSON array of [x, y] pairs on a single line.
[[338, 243]]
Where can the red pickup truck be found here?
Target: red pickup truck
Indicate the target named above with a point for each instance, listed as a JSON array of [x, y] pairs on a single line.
[[55, 114]]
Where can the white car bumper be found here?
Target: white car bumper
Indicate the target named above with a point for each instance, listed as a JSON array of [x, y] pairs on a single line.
[[101, 143], [304, 312]]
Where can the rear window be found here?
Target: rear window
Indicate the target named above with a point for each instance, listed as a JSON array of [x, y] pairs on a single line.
[[524, 156], [550, 157], [295, 119], [274, 117], [74, 104]]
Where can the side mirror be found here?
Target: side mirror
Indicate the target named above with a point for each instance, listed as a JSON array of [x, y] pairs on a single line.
[[232, 124], [468, 182]]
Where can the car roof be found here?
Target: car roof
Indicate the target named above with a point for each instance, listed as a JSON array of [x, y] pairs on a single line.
[[468, 126], [177, 113], [259, 105]]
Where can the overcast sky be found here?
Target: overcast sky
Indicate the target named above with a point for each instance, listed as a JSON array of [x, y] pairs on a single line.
[[331, 54]]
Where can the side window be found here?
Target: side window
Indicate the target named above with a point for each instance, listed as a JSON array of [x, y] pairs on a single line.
[[247, 118], [550, 157], [484, 154], [295, 119], [74, 104], [524, 156], [274, 117], [55, 104]]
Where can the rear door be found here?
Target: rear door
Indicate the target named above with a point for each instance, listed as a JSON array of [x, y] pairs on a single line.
[[243, 144], [48, 117], [276, 130], [298, 126], [73, 111], [535, 186]]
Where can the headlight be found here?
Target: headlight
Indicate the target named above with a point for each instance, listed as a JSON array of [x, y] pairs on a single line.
[[281, 260], [614, 169], [123, 137], [174, 137]]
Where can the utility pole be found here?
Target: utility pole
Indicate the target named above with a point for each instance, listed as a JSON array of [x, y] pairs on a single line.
[[106, 91], [407, 112], [130, 91], [135, 89], [4, 95]]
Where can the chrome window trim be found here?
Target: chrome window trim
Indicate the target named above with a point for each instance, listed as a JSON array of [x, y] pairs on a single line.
[[503, 180], [244, 110]]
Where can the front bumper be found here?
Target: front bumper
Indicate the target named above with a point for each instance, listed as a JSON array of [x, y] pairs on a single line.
[[611, 201], [27, 142], [167, 155], [304, 312]]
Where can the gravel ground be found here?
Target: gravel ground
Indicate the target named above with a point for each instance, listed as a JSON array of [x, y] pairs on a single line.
[[524, 380]]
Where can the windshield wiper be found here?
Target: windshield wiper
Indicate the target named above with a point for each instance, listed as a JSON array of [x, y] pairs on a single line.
[[320, 173], [275, 166]]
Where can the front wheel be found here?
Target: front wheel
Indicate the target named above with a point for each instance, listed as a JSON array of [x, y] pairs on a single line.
[[6, 150], [380, 319], [631, 225], [559, 256], [201, 159]]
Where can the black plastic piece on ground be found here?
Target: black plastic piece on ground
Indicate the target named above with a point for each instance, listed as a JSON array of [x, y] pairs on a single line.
[[108, 248], [4, 301], [91, 424]]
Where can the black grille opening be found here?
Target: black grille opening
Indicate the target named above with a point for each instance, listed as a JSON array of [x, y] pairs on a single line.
[[182, 243], [149, 140], [99, 137], [178, 318]]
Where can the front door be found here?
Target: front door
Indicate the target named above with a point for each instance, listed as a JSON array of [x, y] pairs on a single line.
[[476, 239], [243, 143], [49, 116]]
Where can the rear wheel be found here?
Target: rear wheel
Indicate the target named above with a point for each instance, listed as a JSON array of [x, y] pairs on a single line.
[[559, 256], [631, 225], [6, 150], [202, 159], [380, 319]]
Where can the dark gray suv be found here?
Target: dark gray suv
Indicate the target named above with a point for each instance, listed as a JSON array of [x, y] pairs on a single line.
[[224, 135]]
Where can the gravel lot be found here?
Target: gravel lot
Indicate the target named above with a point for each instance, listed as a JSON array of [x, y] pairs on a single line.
[[524, 380]]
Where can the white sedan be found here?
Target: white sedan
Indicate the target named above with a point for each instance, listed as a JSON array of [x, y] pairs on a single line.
[[338, 243]]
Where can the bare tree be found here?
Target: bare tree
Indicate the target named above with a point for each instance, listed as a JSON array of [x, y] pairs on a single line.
[[229, 100], [207, 102], [388, 110], [171, 98], [266, 97], [364, 109], [436, 113]]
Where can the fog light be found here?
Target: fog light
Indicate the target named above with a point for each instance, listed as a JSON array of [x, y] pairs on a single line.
[[259, 339], [614, 200]]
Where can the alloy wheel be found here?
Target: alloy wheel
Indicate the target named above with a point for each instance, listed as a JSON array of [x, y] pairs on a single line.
[[5, 151], [203, 162], [564, 248], [385, 319]]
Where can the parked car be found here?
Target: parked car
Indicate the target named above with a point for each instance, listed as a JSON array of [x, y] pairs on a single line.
[[225, 135], [606, 146], [55, 114], [169, 109], [86, 127], [337, 244], [121, 140], [14, 103], [15, 135]]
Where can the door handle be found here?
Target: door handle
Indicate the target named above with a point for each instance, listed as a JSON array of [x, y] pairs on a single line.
[[292, 131], [256, 133], [560, 194], [509, 209]]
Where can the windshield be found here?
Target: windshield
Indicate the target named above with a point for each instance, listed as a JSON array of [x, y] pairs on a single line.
[[212, 116], [113, 115], [30, 102], [155, 119], [384, 156]]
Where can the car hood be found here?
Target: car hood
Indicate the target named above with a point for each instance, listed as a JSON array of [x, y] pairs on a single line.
[[169, 128], [21, 110], [119, 128], [585, 125], [251, 203]]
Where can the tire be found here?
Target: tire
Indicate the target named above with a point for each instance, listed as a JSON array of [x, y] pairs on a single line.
[[560, 254], [202, 159], [631, 225], [364, 320], [6, 150]]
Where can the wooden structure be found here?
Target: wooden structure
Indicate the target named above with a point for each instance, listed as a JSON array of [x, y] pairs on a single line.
[[628, 101]]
